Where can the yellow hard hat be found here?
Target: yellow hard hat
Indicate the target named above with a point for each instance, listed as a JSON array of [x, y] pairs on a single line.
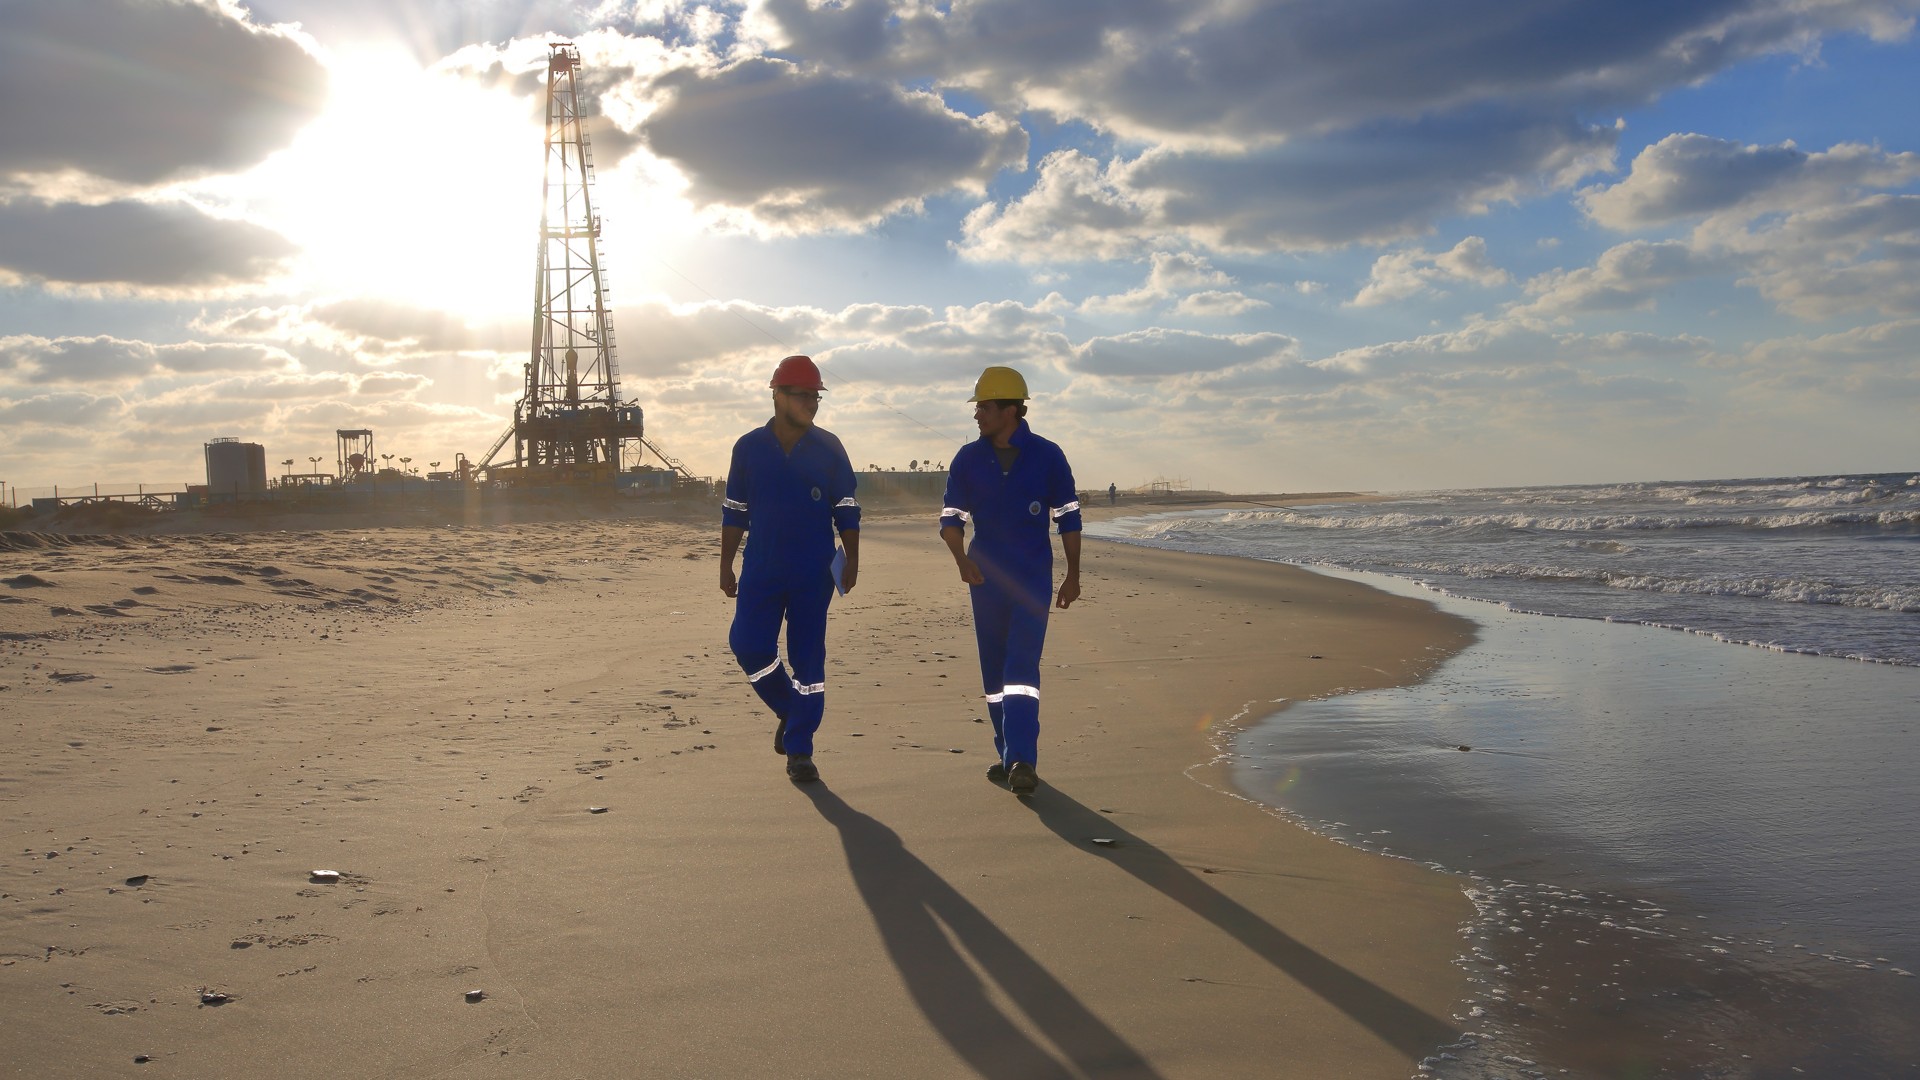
[[1000, 384]]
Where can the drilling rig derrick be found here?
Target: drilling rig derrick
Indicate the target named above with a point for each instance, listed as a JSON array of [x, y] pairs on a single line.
[[569, 424]]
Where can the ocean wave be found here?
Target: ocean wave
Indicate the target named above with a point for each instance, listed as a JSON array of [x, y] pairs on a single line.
[[1617, 522], [1904, 601], [1900, 599], [1653, 495]]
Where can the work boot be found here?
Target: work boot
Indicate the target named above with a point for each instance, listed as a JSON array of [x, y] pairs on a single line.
[[1021, 779], [997, 772], [780, 737], [800, 768]]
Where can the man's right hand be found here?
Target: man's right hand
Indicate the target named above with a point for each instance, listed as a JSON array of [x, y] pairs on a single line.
[[969, 571], [728, 583]]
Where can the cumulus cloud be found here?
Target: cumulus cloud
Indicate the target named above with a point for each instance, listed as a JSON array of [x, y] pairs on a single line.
[[1854, 254], [114, 360], [142, 244], [808, 150], [1401, 274], [1690, 175], [1873, 362], [1626, 277], [141, 92], [1218, 303], [1188, 281], [1309, 194], [1808, 231], [1158, 352], [417, 328]]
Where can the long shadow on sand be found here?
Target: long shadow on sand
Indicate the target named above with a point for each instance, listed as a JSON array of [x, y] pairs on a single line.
[[916, 911], [1402, 1025]]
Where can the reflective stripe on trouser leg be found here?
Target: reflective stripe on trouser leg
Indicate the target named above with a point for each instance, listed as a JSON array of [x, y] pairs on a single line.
[[1010, 635], [807, 652], [997, 715], [755, 640]]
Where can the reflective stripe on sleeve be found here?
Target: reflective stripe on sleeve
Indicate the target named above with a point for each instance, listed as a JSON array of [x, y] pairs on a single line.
[[809, 688], [1024, 691], [948, 511], [1067, 509], [995, 699], [764, 672], [733, 504], [848, 501]]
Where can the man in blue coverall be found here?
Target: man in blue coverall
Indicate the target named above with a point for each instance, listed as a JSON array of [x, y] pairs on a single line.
[[1009, 484], [789, 488]]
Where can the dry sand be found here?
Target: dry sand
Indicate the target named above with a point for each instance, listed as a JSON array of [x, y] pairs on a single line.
[[192, 724]]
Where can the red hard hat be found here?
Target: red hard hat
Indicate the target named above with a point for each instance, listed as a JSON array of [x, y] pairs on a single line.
[[798, 373]]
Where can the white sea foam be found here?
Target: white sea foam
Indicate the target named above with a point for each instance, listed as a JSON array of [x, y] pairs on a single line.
[[1807, 564]]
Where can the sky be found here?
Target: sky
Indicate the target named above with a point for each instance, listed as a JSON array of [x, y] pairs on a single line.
[[1246, 245]]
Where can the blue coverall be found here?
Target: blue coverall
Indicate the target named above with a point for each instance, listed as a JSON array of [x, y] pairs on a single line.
[[790, 504], [1010, 512]]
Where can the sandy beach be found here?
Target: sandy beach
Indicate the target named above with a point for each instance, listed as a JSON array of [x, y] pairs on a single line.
[[564, 847]]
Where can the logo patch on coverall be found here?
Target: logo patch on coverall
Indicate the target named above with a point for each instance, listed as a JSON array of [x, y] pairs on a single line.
[[816, 494], [1034, 508]]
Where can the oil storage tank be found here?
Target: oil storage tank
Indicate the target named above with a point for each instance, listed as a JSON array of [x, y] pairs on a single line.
[[236, 470]]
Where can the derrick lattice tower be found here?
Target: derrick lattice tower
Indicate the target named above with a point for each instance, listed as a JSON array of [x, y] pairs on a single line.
[[569, 425]]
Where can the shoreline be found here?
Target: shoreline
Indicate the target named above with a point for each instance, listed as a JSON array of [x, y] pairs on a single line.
[[1585, 966], [443, 755]]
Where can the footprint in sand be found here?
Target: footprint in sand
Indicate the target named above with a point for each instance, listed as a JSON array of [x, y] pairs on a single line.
[[171, 669], [27, 581]]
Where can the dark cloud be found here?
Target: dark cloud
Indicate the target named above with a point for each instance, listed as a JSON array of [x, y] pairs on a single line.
[[1269, 68], [1369, 186], [1029, 35], [142, 91], [813, 150], [167, 245]]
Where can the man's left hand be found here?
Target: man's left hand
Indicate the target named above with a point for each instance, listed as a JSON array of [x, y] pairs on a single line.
[[1069, 590], [849, 574]]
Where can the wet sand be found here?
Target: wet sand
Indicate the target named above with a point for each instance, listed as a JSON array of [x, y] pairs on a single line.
[[539, 776]]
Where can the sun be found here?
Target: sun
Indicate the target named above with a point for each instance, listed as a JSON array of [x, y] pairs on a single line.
[[414, 186]]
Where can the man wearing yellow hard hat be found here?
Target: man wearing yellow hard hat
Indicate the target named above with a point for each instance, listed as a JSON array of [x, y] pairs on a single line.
[[1010, 484]]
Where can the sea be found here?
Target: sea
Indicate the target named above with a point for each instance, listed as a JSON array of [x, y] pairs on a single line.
[[1678, 770]]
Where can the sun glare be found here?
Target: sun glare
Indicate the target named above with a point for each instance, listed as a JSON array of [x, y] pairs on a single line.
[[415, 187]]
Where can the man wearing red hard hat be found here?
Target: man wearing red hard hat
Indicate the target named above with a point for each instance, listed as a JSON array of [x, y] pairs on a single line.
[[789, 489]]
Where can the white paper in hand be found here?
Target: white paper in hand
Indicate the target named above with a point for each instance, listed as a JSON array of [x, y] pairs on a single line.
[[839, 569]]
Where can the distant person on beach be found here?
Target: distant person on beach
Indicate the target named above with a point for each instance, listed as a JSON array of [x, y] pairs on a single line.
[[1113, 494], [1009, 484], [789, 489]]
